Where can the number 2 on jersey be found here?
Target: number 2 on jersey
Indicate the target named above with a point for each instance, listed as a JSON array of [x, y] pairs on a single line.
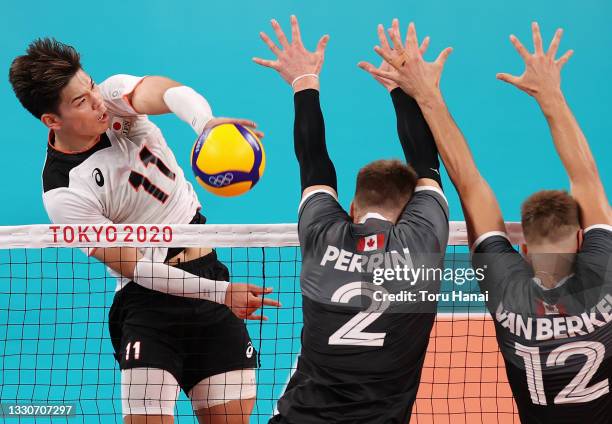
[[138, 180], [576, 390], [352, 332]]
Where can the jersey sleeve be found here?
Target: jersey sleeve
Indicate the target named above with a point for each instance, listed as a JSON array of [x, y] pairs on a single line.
[[319, 212], [501, 268], [426, 216], [115, 91], [65, 206], [594, 262]]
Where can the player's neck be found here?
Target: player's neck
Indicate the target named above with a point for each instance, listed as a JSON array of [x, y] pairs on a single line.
[[374, 213], [552, 275], [552, 269], [70, 143]]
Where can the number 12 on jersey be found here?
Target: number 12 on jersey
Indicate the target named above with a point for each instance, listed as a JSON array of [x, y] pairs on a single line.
[[577, 390]]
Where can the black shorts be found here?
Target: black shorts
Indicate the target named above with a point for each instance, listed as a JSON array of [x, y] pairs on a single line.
[[190, 338]]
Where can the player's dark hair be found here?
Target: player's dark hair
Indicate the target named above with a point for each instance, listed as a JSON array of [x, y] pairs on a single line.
[[39, 76], [549, 215], [385, 184]]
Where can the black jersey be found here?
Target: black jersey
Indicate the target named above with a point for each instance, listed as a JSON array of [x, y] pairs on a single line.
[[362, 354], [556, 343]]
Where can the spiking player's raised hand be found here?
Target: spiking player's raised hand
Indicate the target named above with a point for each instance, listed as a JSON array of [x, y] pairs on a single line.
[[384, 65], [410, 71], [293, 62], [542, 75], [240, 121]]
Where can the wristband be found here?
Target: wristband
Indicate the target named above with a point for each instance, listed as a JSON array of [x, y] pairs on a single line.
[[303, 76]]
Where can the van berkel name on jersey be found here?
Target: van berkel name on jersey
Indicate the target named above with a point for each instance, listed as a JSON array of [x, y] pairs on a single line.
[[559, 327]]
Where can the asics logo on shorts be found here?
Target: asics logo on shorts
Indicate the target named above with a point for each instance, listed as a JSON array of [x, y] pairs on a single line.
[[249, 351], [221, 180]]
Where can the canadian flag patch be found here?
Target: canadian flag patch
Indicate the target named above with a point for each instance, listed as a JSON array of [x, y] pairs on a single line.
[[370, 243], [543, 308]]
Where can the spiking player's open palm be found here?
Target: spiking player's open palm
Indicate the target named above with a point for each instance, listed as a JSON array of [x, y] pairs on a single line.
[[542, 73], [411, 72], [292, 59]]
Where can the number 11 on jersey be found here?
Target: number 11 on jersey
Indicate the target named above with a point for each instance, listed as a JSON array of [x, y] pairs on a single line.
[[137, 180]]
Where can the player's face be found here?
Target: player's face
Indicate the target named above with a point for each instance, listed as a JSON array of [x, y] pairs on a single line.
[[82, 111]]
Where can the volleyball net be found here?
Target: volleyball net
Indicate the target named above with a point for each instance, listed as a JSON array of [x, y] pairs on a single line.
[[55, 349]]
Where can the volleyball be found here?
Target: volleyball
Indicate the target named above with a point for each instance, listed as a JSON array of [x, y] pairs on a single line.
[[228, 160]]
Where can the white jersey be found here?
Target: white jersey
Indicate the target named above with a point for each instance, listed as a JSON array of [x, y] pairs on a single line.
[[129, 176]]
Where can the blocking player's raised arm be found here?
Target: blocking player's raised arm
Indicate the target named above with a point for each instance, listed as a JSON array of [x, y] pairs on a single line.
[[300, 68], [421, 80], [542, 80], [415, 136]]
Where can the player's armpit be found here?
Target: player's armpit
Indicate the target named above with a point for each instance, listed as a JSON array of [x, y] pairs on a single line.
[[480, 209], [319, 212]]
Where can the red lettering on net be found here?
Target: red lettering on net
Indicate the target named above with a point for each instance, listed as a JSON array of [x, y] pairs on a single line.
[[83, 234], [83, 237]]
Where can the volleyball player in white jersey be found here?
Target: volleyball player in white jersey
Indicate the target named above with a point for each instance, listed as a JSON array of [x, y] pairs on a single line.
[[175, 321]]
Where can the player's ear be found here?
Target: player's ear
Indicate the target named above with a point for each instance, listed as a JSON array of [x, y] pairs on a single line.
[[51, 121]]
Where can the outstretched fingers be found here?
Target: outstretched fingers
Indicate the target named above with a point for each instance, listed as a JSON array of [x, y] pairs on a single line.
[[424, 45], [443, 56], [537, 38], [510, 79], [282, 38], [296, 36], [412, 40], [554, 44], [386, 55], [322, 44], [382, 38], [394, 33], [368, 67], [563, 59], [519, 47], [271, 45], [265, 62]]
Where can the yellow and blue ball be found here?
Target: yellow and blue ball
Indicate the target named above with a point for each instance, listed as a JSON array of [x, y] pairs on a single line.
[[228, 160]]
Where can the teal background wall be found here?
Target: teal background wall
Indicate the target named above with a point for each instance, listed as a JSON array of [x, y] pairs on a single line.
[[55, 343], [208, 45]]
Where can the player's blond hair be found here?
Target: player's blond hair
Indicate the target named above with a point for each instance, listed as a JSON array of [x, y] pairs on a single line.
[[549, 215]]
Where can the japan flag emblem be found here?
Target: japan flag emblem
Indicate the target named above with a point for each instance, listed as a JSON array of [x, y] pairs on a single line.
[[371, 243]]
